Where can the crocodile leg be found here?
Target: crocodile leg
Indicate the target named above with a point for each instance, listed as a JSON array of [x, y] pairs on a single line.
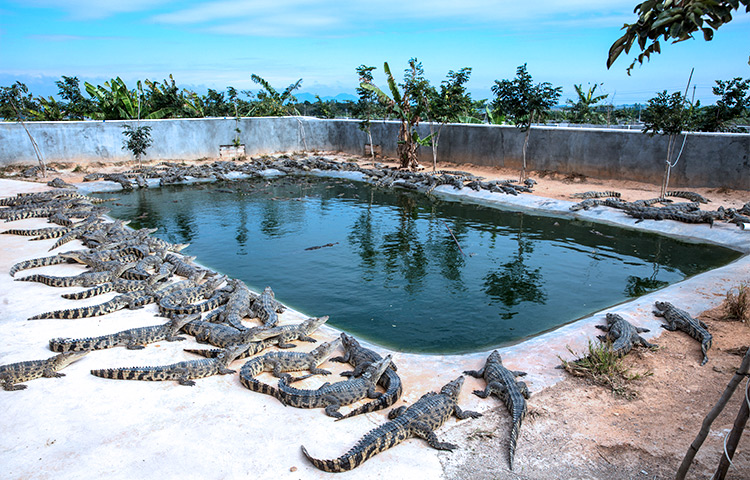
[[423, 430]]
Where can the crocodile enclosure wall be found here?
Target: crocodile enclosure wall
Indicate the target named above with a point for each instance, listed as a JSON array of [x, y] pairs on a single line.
[[708, 159]]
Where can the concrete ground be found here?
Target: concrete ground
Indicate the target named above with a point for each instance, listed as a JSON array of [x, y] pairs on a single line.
[[81, 426]]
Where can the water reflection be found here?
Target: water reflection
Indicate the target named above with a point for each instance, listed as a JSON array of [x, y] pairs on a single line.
[[395, 275]]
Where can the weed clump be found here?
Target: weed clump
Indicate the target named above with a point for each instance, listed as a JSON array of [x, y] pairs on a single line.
[[602, 365], [737, 303]]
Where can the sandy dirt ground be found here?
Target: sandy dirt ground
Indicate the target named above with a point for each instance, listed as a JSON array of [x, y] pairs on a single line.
[[576, 429]]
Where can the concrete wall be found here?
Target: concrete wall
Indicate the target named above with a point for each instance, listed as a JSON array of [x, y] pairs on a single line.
[[708, 160]]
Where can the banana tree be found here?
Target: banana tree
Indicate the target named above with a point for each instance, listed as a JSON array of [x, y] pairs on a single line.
[[271, 103], [582, 111], [114, 101], [407, 106]]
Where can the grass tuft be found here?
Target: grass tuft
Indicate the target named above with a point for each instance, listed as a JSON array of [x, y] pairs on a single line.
[[737, 303], [604, 367]]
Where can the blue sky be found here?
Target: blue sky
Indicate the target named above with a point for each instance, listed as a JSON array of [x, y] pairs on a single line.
[[206, 43]]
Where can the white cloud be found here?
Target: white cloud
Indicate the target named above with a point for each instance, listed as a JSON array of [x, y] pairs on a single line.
[[307, 17], [95, 9]]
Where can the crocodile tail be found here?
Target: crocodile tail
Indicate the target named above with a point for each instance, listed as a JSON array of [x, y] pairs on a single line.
[[377, 440], [45, 279], [92, 292], [518, 415], [248, 372], [82, 312], [81, 344]]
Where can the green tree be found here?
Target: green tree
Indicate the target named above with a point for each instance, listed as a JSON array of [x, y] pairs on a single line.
[[732, 105], [137, 140], [407, 105], [75, 105], [669, 115], [676, 20], [48, 110], [366, 105], [114, 101], [166, 100], [524, 103], [16, 103], [584, 110], [271, 103], [450, 103]]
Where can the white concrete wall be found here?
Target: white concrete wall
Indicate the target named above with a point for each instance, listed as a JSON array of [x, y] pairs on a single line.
[[708, 160]]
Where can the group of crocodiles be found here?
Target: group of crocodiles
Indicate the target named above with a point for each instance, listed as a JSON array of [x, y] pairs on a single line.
[[144, 270], [687, 212]]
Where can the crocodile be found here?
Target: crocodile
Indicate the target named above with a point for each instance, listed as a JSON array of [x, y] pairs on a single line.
[[421, 419], [119, 285], [623, 334], [502, 383], [238, 305], [606, 194], [279, 362], [253, 348], [267, 311], [132, 301], [332, 396], [85, 279], [360, 358], [182, 372], [219, 335], [180, 302], [14, 373], [39, 262], [287, 333], [680, 320], [692, 196], [132, 339]]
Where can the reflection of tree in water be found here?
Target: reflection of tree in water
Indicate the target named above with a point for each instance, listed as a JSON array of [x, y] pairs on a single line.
[[515, 282], [185, 226], [637, 286], [361, 239], [447, 251], [403, 250], [242, 231]]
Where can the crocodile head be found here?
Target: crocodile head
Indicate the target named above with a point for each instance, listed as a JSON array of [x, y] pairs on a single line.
[[612, 318], [324, 350], [662, 305], [181, 320], [453, 388], [495, 357], [64, 359], [348, 342], [376, 370], [231, 353], [313, 323]]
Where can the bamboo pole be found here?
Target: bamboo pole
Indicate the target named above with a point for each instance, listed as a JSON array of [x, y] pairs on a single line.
[[734, 436], [742, 372]]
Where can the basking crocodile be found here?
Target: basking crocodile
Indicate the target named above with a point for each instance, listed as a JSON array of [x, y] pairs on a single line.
[[360, 358], [680, 320], [14, 373], [182, 372], [332, 396], [287, 333], [267, 311], [253, 348], [219, 335], [132, 339], [180, 302], [40, 262], [132, 301], [119, 285], [238, 305], [606, 194], [692, 196], [502, 382], [279, 362], [623, 334], [85, 279], [421, 419]]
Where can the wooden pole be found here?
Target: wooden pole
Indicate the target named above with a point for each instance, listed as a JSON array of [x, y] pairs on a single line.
[[734, 436], [742, 372]]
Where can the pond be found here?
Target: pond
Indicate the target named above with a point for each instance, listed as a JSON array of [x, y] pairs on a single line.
[[408, 271]]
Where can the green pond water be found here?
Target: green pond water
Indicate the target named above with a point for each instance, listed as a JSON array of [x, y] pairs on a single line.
[[392, 273]]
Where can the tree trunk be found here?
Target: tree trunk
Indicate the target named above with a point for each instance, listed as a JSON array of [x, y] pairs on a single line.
[[525, 147], [372, 147]]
